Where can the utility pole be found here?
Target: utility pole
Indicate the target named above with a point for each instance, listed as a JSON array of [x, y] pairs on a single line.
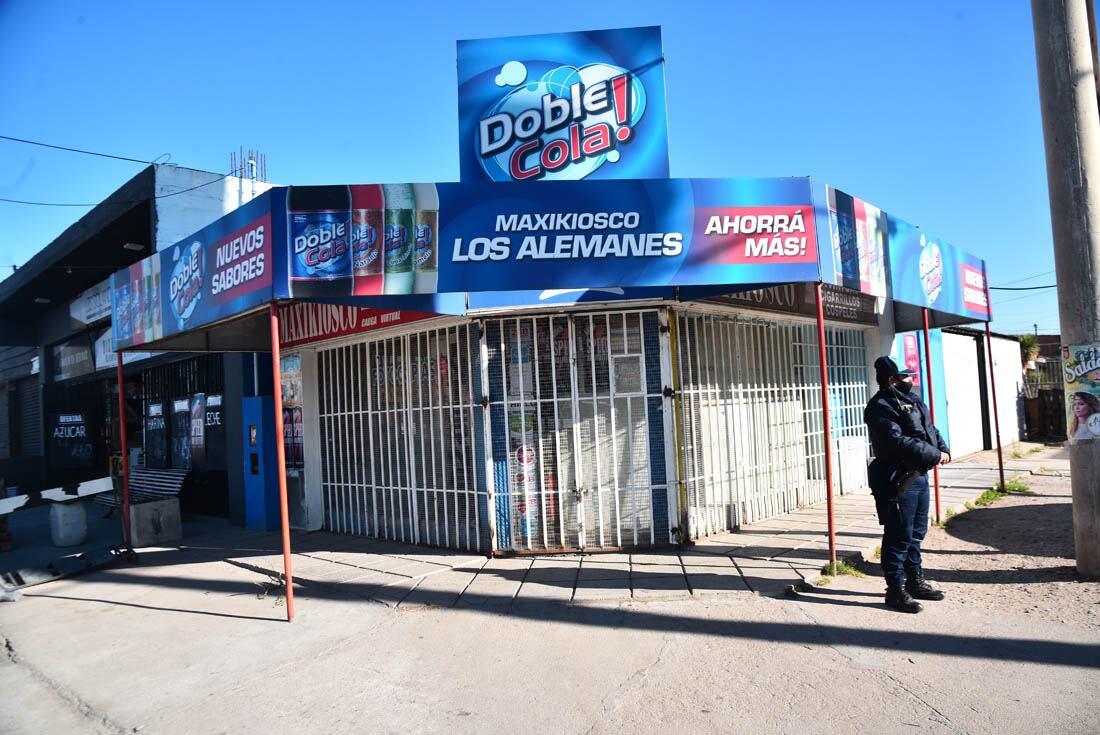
[[1071, 129]]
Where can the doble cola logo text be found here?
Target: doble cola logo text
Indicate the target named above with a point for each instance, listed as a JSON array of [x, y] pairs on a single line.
[[185, 288], [565, 125], [320, 243]]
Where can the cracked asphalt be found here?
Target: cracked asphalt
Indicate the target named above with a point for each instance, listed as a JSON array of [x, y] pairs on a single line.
[[191, 640]]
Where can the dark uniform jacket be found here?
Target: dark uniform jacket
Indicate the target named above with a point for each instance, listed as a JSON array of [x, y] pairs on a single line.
[[902, 436]]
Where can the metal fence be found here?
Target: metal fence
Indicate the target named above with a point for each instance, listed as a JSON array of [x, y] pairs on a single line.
[[750, 413], [569, 451], [576, 430], [402, 439]]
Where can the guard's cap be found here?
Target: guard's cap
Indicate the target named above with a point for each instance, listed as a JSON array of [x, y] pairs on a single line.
[[886, 367]]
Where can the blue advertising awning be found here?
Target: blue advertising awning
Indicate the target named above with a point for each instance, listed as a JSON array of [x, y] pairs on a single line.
[[460, 248]]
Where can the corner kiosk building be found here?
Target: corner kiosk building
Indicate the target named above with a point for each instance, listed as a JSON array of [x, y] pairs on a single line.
[[665, 404]]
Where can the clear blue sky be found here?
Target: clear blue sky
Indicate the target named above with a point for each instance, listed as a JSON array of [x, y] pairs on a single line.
[[929, 110]]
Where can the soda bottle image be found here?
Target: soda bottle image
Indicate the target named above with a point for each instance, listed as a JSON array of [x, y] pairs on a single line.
[[147, 295], [367, 227], [137, 304], [318, 234], [426, 254], [400, 208], [121, 317], [158, 329]]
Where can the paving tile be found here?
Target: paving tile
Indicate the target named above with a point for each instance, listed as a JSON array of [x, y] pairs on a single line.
[[487, 591], [602, 589], [642, 573], [391, 595], [655, 559], [613, 558], [532, 592], [705, 560], [710, 583], [662, 587], [438, 590], [604, 571]]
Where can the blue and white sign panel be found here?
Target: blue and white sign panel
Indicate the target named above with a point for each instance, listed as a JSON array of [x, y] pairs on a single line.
[[563, 106]]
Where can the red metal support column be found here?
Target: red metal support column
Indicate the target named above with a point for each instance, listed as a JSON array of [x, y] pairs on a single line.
[[125, 454], [996, 418], [826, 425], [280, 454], [931, 400]]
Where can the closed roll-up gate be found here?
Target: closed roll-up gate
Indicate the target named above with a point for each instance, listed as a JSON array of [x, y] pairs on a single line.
[[30, 417], [402, 439], [750, 413]]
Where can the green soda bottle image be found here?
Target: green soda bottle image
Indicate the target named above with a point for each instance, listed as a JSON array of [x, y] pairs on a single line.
[[398, 242], [426, 252]]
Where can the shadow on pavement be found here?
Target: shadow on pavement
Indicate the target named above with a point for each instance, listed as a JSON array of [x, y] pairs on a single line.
[[640, 618], [1034, 529]]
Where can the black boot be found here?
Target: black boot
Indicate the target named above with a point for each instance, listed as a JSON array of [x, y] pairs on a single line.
[[919, 589], [898, 599]]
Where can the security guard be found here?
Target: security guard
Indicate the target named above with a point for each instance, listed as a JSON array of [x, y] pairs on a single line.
[[906, 446]]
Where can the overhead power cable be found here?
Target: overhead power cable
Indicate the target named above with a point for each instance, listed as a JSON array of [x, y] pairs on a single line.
[[81, 150], [1021, 288], [132, 201], [1037, 275]]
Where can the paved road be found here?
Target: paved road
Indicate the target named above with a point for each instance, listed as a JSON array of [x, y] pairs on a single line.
[[191, 641]]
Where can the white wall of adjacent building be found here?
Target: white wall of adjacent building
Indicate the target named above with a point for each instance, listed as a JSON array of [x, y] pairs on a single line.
[[964, 367], [202, 198]]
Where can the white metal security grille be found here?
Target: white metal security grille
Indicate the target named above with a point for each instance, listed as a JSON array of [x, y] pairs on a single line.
[[573, 400], [750, 412], [400, 438]]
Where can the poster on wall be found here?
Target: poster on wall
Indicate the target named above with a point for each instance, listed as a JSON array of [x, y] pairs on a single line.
[[181, 434], [293, 436], [156, 436], [911, 356], [215, 433], [198, 435], [523, 447], [1081, 365], [71, 445], [563, 106]]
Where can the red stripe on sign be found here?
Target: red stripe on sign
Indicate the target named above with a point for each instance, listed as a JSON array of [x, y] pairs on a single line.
[[754, 235], [975, 295]]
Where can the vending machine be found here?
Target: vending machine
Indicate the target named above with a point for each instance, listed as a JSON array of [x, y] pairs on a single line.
[[261, 477]]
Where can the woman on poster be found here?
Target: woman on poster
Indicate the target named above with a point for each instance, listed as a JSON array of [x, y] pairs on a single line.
[[1084, 405]]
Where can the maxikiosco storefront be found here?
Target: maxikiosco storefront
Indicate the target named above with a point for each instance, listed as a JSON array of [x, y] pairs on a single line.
[[567, 350]]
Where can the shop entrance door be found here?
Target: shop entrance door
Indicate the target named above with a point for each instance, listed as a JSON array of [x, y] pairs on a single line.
[[576, 422]]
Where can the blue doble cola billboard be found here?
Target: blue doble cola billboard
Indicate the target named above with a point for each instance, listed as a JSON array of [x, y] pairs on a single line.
[[224, 269], [383, 245], [563, 106], [460, 237]]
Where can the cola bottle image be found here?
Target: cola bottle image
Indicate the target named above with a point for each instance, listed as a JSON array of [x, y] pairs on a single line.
[[319, 241], [426, 252], [399, 235], [367, 228]]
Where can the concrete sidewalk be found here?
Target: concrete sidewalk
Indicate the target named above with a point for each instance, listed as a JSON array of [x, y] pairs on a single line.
[[764, 558]]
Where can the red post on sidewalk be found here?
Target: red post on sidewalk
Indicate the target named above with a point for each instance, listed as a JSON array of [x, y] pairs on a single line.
[[996, 418], [827, 426], [125, 454], [280, 454], [931, 400]]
